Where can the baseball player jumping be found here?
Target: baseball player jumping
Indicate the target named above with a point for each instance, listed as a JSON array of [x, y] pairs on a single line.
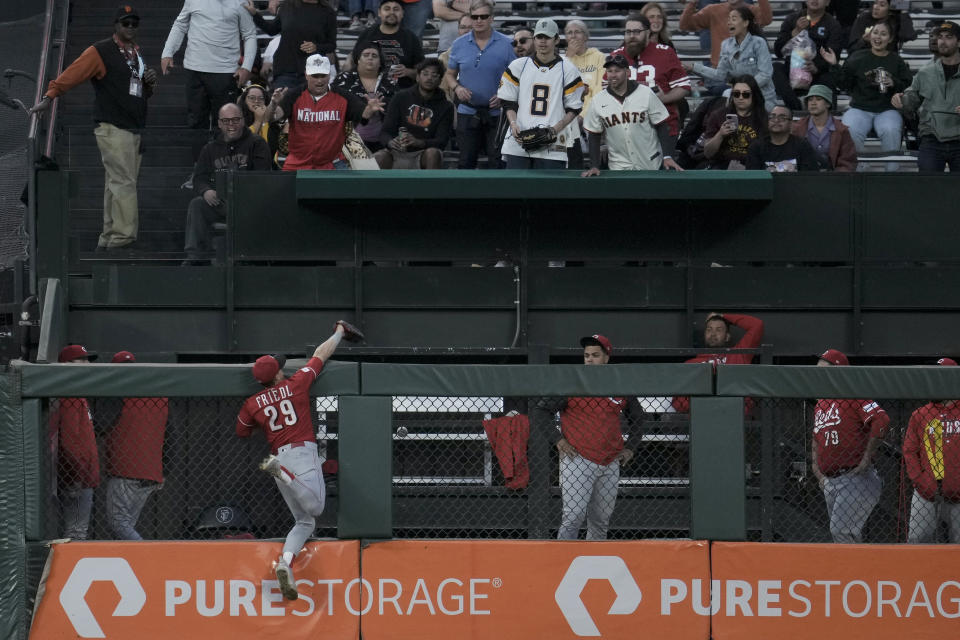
[[635, 121], [282, 410]]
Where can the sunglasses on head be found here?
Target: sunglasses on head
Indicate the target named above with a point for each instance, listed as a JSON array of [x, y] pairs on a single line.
[[130, 23], [520, 41], [741, 94]]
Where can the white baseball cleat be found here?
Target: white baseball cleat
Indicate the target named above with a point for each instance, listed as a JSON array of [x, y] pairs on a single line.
[[271, 466], [287, 584]]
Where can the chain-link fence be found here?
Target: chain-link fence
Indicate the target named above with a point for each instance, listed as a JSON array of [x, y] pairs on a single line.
[[540, 467], [159, 468], [860, 470]]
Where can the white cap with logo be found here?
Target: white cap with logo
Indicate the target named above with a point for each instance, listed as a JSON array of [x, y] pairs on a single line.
[[546, 27], [318, 64]]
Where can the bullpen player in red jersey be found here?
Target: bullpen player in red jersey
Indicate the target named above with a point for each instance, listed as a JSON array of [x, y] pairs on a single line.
[[283, 411], [716, 335], [846, 435], [590, 442], [931, 453]]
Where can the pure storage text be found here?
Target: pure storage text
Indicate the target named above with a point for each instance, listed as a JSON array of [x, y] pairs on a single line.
[[449, 597], [817, 599]]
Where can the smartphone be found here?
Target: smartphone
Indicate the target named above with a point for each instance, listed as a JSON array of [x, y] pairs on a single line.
[[732, 119]]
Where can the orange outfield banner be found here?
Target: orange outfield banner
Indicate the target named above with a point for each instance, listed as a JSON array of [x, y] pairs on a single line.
[[802, 591], [222, 589], [518, 590]]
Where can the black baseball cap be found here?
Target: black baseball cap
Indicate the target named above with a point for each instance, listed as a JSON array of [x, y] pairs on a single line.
[[616, 60], [125, 11], [950, 27]]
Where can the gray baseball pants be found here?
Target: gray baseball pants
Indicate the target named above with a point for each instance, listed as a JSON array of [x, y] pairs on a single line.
[[125, 499], [305, 496], [925, 517], [589, 492], [851, 498]]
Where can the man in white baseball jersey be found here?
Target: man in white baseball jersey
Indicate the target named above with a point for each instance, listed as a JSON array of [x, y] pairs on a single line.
[[540, 90], [635, 121]]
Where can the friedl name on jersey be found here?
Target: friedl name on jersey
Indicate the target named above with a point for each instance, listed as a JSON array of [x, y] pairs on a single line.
[[308, 115], [625, 117], [269, 396]]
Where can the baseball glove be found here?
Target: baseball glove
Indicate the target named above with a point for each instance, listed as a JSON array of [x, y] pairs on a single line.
[[536, 138], [350, 332]]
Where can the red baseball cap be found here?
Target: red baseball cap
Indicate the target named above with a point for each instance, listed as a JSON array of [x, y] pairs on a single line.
[[123, 356], [836, 357], [266, 367], [596, 338], [947, 362], [73, 352]]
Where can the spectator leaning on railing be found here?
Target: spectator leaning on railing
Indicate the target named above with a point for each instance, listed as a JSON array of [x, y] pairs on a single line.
[[214, 31], [122, 83], [935, 95], [477, 62], [931, 454], [828, 136], [846, 436]]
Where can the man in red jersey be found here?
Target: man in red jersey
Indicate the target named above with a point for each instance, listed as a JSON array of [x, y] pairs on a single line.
[[716, 335], [846, 435], [74, 447], [318, 117], [656, 66], [134, 466], [931, 453], [590, 442], [282, 409]]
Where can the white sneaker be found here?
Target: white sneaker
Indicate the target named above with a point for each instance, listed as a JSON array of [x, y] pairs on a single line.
[[287, 584]]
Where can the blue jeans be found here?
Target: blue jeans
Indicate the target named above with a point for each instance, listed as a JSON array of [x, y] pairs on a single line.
[[888, 125], [935, 155], [359, 7], [415, 16], [523, 162]]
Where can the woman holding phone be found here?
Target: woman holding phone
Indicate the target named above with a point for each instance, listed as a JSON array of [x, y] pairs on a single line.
[[729, 132]]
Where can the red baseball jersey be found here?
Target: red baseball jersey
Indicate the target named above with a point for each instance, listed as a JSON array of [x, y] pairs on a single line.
[[931, 450], [592, 427], [71, 435], [753, 336], [317, 130], [135, 444], [841, 430], [283, 410], [658, 65]]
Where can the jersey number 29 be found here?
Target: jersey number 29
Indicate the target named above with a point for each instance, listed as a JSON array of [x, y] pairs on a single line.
[[289, 417]]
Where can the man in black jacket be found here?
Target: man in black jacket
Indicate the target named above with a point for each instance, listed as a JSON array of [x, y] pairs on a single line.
[[418, 123], [234, 148], [122, 83], [824, 31]]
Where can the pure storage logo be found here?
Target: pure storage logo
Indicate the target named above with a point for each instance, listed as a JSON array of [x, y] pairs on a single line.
[[73, 596], [585, 568]]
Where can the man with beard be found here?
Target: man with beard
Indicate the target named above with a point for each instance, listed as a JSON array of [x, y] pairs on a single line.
[[716, 335], [234, 148], [634, 120], [936, 88], [780, 151], [523, 42], [401, 48], [656, 66], [418, 123]]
